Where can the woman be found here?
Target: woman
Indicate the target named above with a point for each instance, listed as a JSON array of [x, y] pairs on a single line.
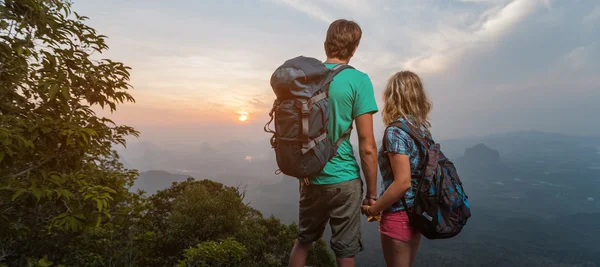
[[405, 101]]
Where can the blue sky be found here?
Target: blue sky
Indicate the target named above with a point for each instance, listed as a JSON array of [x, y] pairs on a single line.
[[489, 65]]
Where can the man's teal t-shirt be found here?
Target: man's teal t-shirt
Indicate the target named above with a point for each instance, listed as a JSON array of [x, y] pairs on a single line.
[[351, 94]]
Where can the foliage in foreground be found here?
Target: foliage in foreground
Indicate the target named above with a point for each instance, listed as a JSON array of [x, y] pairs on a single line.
[[64, 195]]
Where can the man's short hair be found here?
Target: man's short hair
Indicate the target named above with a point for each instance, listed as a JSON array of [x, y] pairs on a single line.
[[342, 37]]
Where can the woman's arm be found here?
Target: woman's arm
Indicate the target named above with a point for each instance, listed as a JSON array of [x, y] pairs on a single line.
[[401, 169]]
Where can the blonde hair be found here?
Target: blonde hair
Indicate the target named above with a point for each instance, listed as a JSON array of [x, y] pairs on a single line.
[[404, 95]]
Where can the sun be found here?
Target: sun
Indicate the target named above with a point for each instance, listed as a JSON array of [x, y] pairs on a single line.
[[243, 117]]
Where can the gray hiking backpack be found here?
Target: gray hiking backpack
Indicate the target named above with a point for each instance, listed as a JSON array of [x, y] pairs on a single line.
[[301, 116]]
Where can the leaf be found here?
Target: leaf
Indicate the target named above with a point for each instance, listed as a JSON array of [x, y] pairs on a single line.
[[37, 192], [30, 144], [61, 216], [98, 204], [89, 131], [53, 91], [56, 179], [65, 92], [110, 190], [66, 193], [19, 192], [44, 262], [84, 137]]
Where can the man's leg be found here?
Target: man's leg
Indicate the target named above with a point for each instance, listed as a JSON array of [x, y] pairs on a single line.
[[311, 222], [344, 204], [343, 262], [299, 254]]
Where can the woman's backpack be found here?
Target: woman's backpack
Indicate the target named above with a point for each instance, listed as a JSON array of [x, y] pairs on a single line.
[[440, 208], [301, 116]]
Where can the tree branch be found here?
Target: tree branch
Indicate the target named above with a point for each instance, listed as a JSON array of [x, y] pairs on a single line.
[[28, 169], [67, 206]]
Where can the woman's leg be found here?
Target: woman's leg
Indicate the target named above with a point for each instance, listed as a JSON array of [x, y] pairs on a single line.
[[388, 252], [396, 252], [414, 246]]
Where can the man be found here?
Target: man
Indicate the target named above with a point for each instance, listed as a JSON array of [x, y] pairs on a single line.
[[335, 194]]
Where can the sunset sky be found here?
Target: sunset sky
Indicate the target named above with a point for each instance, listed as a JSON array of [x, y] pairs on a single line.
[[489, 66]]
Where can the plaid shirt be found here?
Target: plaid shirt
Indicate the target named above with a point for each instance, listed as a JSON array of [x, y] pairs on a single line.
[[398, 142]]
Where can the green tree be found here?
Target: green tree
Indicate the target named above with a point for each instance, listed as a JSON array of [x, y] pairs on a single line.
[[227, 253], [59, 175], [192, 212]]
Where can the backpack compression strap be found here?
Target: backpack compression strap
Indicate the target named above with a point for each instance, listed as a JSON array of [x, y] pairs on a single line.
[[308, 105]]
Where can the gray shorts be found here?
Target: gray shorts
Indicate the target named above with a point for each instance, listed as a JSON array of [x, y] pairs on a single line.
[[338, 204]]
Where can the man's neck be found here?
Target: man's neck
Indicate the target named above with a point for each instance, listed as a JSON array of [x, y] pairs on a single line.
[[336, 61]]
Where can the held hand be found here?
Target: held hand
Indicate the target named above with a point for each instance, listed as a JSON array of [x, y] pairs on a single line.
[[368, 201], [364, 208]]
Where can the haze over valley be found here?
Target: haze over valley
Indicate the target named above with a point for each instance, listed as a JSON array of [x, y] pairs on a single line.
[[534, 195]]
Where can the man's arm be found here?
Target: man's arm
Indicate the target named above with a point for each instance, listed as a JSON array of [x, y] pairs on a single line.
[[368, 152]]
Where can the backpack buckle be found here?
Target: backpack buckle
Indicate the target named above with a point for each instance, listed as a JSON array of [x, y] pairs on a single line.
[[305, 108]]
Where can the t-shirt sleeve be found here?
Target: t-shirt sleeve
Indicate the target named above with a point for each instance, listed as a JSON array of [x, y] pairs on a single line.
[[364, 101], [397, 141]]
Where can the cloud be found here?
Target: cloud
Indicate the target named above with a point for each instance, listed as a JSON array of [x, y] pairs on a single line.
[[354, 7], [451, 44], [329, 10], [309, 8], [482, 1], [576, 58], [593, 16], [509, 16]]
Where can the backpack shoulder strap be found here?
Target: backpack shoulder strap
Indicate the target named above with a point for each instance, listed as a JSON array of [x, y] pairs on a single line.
[[335, 71], [325, 93], [417, 135], [409, 129], [419, 138]]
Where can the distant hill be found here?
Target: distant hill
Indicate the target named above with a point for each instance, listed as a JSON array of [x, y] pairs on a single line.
[[206, 148], [481, 153], [152, 181], [516, 144]]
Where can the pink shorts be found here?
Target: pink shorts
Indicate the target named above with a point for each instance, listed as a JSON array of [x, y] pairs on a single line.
[[396, 226]]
